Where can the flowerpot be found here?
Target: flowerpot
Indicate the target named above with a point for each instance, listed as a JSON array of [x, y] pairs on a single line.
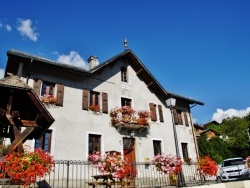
[[173, 180]]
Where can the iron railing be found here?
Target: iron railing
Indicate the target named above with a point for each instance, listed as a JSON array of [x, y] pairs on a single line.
[[78, 174]]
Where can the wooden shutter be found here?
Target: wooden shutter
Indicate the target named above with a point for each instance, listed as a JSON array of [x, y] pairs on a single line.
[[105, 103], [153, 111], [175, 117], [186, 119], [85, 99], [37, 87], [160, 113], [59, 94]]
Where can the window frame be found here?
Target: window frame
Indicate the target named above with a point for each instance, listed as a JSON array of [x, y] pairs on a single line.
[[42, 141], [124, 74], [157, 147], [184, 148], [94, 137]]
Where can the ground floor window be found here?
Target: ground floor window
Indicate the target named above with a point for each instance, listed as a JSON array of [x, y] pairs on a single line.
[[184, 147], [157, 147], [45, 141], [94, 143]]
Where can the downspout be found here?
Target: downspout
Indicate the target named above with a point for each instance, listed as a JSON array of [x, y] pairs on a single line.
[[192, 125], [28, 74]]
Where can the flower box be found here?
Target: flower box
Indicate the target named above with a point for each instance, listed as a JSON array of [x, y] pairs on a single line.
[[130, 126]]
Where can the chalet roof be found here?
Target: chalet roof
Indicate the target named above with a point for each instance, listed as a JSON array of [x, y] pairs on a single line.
[[26, 103], [14, 82], [210, 130], [128, 54]]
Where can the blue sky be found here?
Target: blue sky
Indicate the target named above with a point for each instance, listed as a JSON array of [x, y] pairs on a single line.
[[198, 49]]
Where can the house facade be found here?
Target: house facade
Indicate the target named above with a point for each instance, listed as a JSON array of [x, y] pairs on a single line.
[[86, 98]]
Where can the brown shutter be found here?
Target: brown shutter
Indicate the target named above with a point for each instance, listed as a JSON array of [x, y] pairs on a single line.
[[105, 103], [153, 111], [85, 99], [186, 119], [175, 117], [160, 113], [37, 87], [59, 94]]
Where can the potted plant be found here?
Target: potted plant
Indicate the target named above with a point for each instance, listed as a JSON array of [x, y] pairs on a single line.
[[94, 108], [48, 100], [170, 165]]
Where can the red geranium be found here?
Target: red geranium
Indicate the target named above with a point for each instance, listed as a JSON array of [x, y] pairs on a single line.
[[25, 167]]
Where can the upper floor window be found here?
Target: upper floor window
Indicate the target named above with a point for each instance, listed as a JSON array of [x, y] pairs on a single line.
[[42, 88], [124, 74], [94, 143], [47, 88], [126, 102], [157, 147], [93, 98], [178, 117], [153, 110], [45, 141]]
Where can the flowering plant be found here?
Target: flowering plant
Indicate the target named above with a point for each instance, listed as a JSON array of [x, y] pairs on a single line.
[[94, 108], [207, 165], [48, 99], [25, 167], [110, 164], [247, 162], [168, 164], [125, 114]]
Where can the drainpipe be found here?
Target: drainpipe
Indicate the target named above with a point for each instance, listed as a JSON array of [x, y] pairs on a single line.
[[28, 74]]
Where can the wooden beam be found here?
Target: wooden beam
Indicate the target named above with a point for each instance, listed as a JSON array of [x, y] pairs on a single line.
[[150, 84], [19, 138], [139, 72], [22, 123]]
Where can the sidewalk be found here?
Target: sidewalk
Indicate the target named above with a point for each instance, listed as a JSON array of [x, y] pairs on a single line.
[[233, 184]]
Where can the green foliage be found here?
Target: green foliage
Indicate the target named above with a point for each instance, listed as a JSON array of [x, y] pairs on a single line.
[[237, 144]]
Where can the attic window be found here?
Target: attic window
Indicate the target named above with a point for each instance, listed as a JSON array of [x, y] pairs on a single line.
[[124, 74]]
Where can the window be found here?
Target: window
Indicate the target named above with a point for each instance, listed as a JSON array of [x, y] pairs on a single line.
[[126, 102], [124, 76], [160, 113], [47, 88], [94, 143], [152, 108], [45, 141], [157, 147], [94, 98], [186, 119], [184, 147], [178, 117]]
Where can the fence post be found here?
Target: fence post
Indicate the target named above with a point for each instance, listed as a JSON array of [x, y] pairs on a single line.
[[68, 174]]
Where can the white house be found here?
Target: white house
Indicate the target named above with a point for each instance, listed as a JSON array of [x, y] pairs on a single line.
[[122, 80]]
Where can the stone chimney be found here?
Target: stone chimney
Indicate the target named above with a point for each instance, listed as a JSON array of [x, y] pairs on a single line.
[[93, 62]]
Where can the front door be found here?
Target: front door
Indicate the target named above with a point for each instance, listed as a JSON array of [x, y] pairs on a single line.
[[129, 155]]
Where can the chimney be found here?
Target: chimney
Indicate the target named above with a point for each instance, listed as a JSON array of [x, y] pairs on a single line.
[[93, 62]]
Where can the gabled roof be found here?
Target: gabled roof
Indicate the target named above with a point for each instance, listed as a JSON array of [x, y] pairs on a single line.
[[136, 64], [210, 130], [210, 123]]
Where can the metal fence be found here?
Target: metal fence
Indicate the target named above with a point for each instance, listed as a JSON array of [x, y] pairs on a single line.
[[78, 174]]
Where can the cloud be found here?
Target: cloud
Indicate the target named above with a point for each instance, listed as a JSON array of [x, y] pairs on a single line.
[[25, 28], [1, 25], [73, 59], [220, 114], [2, 73], [8, 27]]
